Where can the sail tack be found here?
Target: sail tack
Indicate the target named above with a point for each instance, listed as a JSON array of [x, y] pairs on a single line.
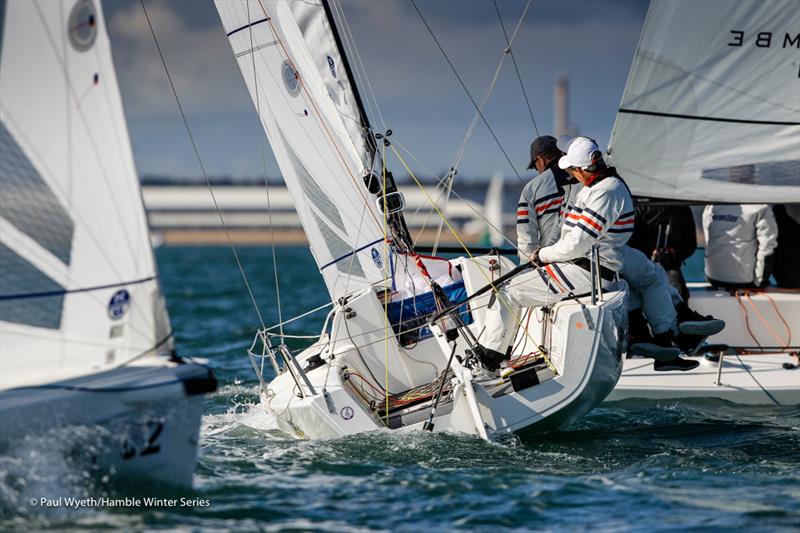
[[295, 73], [78, 287], [711, 109]]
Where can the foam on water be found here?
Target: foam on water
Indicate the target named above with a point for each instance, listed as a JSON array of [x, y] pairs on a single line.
[[627, 465]]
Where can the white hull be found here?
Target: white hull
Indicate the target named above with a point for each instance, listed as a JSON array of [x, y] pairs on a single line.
[[745, 378], [584, 365], [142, 419]]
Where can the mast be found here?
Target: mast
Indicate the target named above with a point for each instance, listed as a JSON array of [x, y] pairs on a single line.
[[346, 62]]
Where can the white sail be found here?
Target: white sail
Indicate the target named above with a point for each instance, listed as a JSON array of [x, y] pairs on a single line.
[[295, 73], [711, 110], [78, 287]]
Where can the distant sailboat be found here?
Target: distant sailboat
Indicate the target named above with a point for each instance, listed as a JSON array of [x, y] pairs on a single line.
[[379, 362], [711, 114], [82, 318]]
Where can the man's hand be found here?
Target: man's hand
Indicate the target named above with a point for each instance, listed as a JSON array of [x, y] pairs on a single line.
[[534, 259]]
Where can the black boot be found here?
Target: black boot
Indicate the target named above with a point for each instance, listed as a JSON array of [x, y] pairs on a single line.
[[676, 364], [490, 359], [638, 329], [694, 328], [658, 347]]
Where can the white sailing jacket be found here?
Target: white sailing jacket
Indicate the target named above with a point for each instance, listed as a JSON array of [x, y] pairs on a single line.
[[601, 214], [540, 210], [739, 238]]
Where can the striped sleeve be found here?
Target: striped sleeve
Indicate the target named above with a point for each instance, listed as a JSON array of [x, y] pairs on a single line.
[[586, 224], [527, 226]]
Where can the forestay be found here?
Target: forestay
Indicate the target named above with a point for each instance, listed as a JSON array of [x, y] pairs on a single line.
[[78, 287], [711, 109], [295, 73]]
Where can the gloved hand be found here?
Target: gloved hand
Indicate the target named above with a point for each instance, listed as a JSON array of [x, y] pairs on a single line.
[[667, 258], [534, 259]]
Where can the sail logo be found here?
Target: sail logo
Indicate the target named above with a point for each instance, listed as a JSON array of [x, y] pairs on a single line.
[[118, 304], [764, 39], [376, 258], [332, 66]]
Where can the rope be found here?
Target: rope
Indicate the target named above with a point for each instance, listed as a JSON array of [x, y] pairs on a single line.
[[747, 369], [202, 167], [386, 266], [747, 294], [455, 193], [466, 249], [319, 115], [469, 95], [514, 61], [766, 323], [266, 183]]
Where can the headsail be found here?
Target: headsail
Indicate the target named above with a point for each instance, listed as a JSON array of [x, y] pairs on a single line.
[[711, 110], [292, 65], [78, 287]]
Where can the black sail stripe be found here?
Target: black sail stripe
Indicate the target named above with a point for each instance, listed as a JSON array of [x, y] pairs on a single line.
[[265, 19], [709, 119]]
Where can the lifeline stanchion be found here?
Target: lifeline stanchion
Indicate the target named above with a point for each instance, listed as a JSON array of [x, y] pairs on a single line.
[[428, 426]]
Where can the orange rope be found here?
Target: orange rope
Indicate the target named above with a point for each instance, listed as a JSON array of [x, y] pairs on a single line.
[[766, 324]]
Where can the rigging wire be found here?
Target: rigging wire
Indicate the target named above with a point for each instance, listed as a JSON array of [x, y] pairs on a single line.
[[514, 61], [448, 179], [469, 95], [266, 183], [202, 166], [349, 40]]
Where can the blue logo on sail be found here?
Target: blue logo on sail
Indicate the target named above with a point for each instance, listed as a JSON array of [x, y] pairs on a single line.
[[332, 66], [376, 258], [119, 304]]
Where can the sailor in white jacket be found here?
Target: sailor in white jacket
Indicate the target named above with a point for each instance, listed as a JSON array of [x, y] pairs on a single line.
[[740, 241], [602, 215], [540, 217]]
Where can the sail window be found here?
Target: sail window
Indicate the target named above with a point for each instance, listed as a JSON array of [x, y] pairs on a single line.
[[339, 249], [82, 25], [27, 202], [28, 296], [290, 78], [314, 192]]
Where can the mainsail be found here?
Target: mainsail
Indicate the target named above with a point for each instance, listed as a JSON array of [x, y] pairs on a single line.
[[298, 80], [711, 110], [78, 286]]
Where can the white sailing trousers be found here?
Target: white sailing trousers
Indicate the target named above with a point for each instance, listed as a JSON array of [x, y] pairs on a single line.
[[650, 290], [537, 287]]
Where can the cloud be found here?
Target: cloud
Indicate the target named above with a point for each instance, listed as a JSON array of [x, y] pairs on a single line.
[[199, 59]]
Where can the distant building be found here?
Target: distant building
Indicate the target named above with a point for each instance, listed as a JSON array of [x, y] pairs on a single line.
[[181, 212], [562, 128]]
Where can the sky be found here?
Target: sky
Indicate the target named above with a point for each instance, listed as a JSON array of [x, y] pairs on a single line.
[[418, 96]]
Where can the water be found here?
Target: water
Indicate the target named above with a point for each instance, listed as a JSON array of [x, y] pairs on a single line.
[[626, 466]]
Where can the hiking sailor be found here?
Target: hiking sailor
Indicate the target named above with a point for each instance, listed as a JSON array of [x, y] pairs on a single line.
[[543, 199], [740, 240], [602, 216], [650, 296]]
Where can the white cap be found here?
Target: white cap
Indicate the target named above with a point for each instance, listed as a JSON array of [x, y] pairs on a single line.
[[579, 153]]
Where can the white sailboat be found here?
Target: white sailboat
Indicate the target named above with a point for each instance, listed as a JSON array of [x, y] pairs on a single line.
[[85, 339], [711, 113], [379, 361]]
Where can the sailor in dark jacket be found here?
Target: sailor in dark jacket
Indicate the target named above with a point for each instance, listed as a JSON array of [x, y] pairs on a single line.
[[667, 235], [787, 255]]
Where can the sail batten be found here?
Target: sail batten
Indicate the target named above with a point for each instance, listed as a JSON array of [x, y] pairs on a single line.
[[296, 73], [711, 108]]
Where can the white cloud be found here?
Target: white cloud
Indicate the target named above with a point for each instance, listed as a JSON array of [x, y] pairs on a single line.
[[199, 59]]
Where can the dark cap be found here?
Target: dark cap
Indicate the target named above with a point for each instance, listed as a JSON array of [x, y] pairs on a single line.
[[542, 145]]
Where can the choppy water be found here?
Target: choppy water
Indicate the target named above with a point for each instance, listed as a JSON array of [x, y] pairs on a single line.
[[626, 466]]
